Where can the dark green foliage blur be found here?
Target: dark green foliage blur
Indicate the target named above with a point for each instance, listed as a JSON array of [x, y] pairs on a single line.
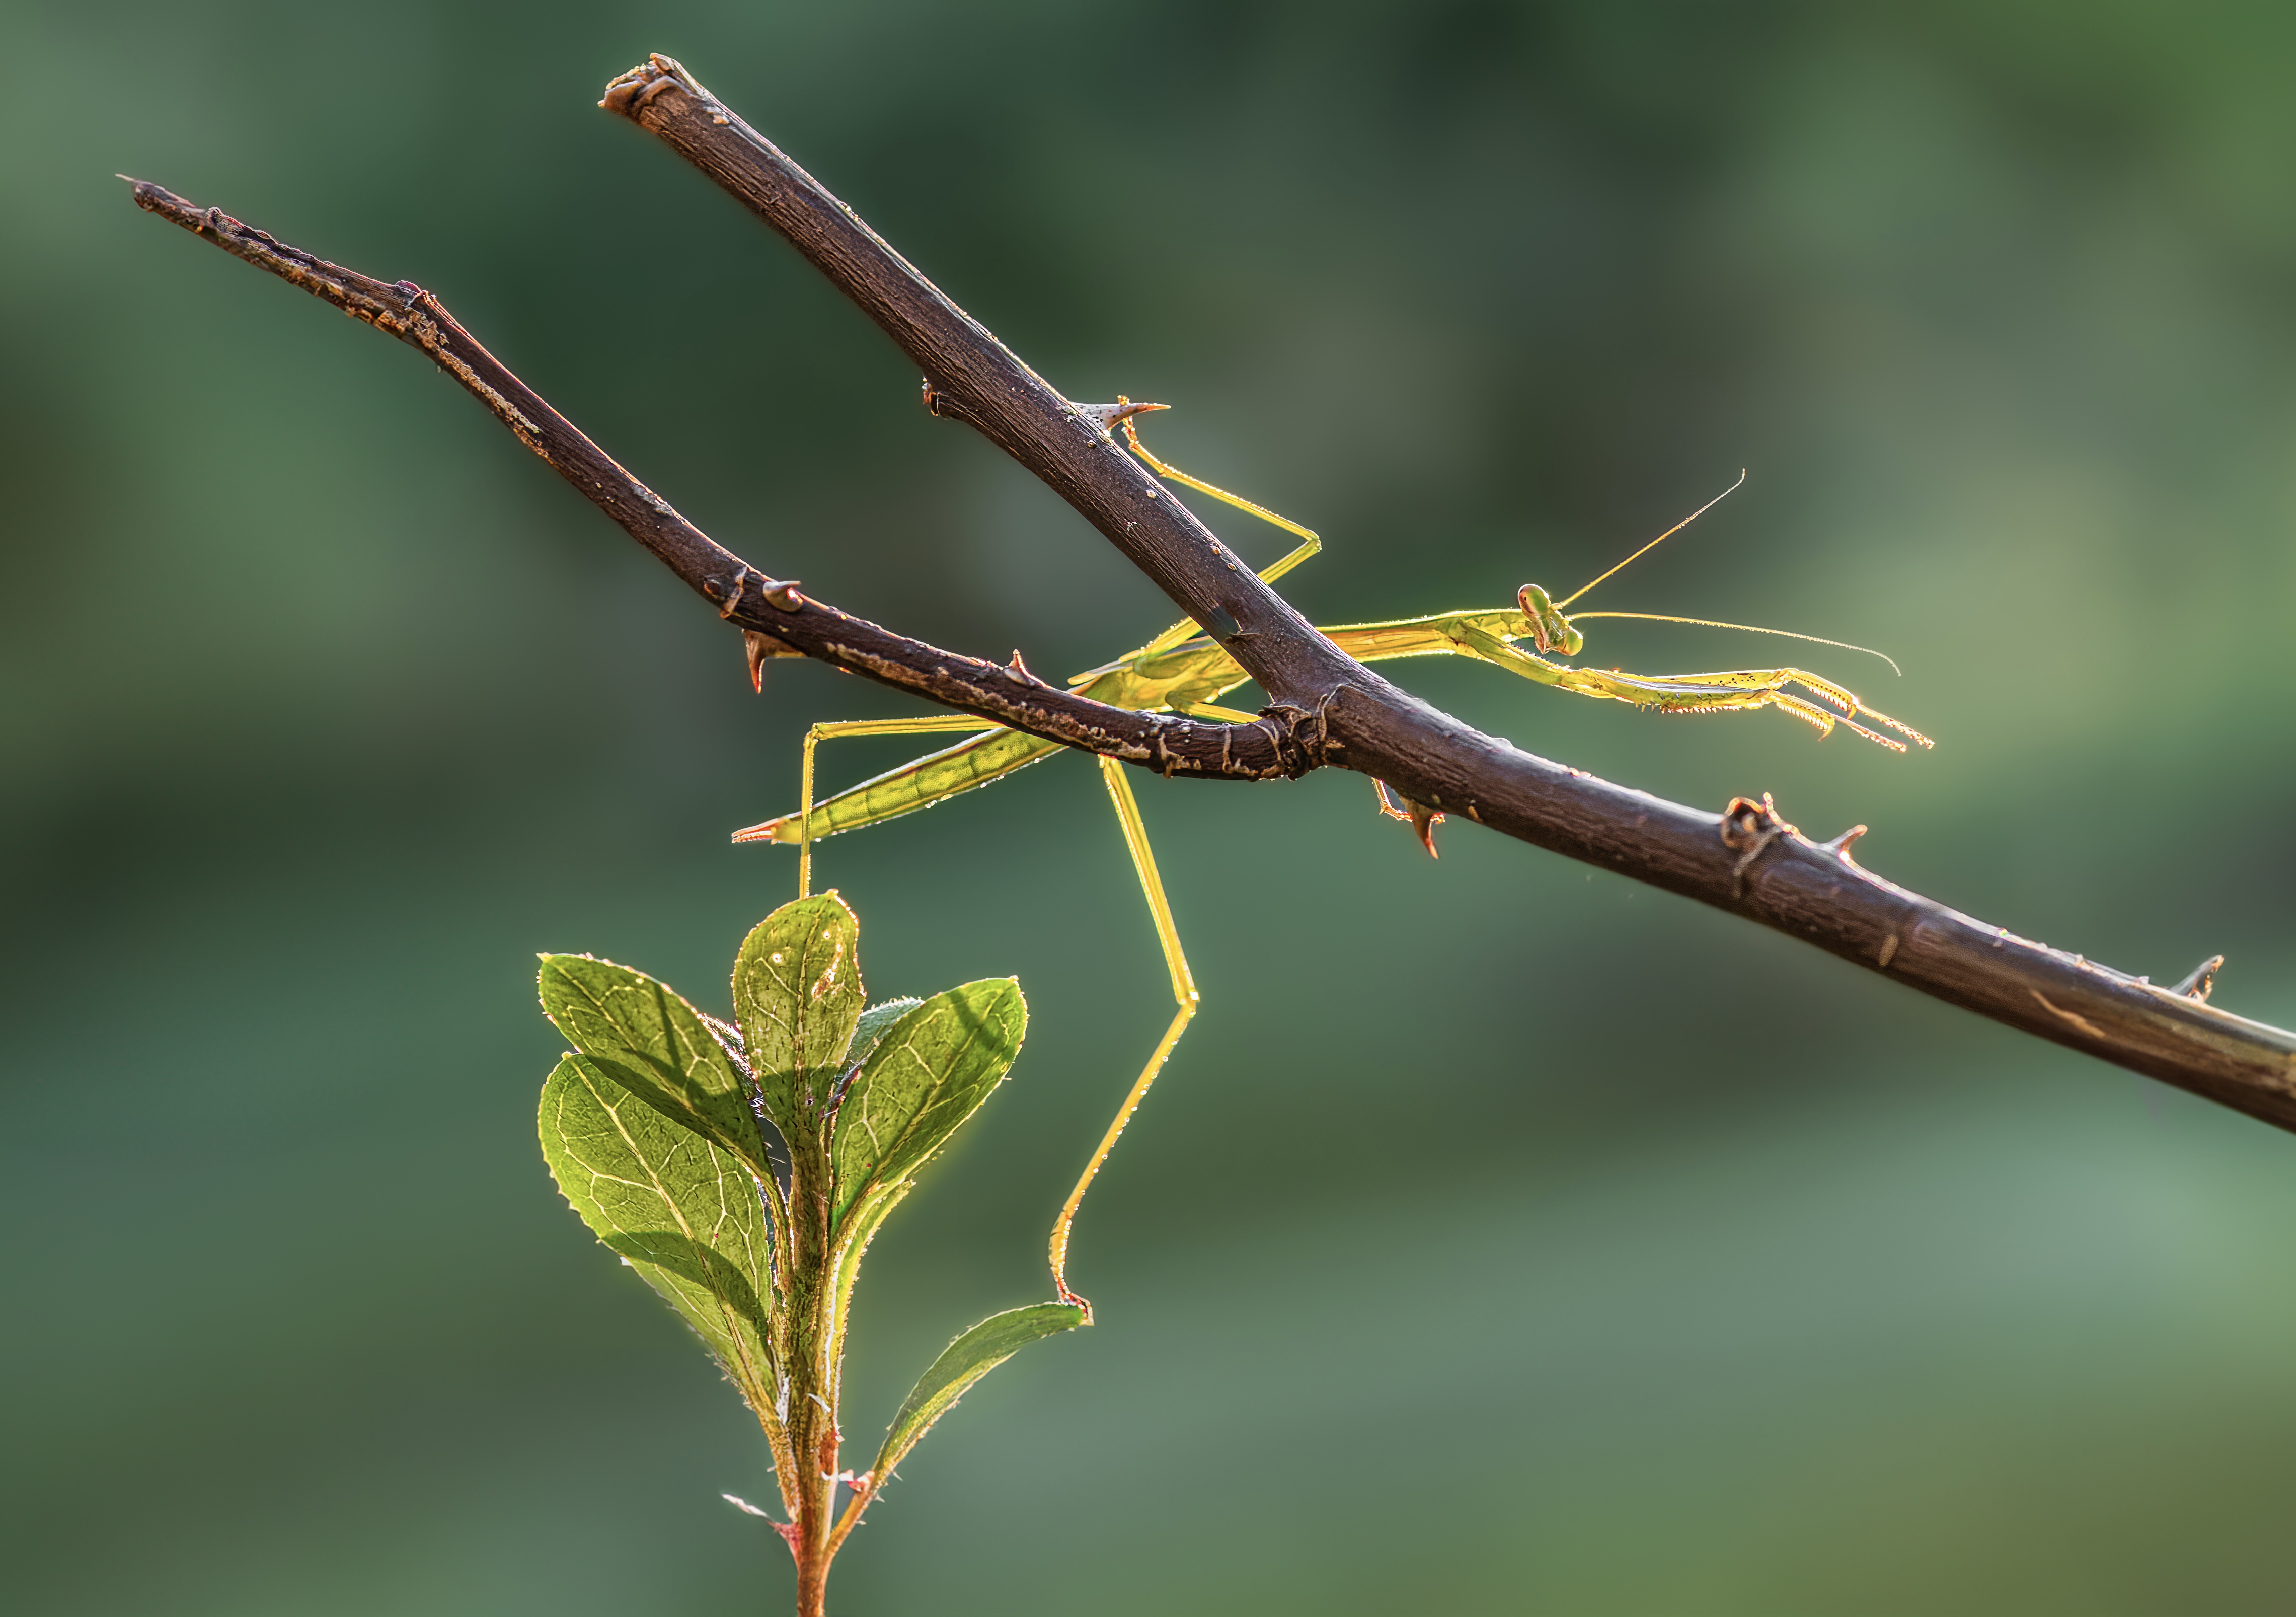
[[1503, 1237]]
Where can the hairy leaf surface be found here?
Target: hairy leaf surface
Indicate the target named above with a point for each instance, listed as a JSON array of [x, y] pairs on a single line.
[[682, 1211], [963, 1362], [796, 992], [873, 1024], [656, 1046], [924, 1075]]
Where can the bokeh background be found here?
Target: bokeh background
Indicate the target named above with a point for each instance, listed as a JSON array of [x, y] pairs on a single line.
[[1506, 1237]]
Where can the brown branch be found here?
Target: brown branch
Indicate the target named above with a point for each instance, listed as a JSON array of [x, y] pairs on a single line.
[[780, 620], [1748, 862], [1327, 708]]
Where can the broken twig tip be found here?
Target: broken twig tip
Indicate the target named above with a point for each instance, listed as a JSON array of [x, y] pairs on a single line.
[[1841, 846]]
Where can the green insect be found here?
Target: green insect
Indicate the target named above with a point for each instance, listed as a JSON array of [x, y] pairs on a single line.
[[1183, 671]]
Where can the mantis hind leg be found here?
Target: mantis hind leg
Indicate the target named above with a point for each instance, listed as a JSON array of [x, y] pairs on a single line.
[[1183, 996]]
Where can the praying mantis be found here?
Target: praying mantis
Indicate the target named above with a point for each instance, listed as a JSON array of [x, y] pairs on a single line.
[[1183, 670]]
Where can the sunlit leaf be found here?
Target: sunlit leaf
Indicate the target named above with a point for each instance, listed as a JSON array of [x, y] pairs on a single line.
[[963, 1362], [682, 1211], [797, 995], [656, 1046], [927, 1073], [873, 1024]]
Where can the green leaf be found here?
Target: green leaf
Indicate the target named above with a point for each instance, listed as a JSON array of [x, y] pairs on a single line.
[[656, 1046], [796, 992], [924, 1075], [682, 1211], [963, 1362], [873, 1024]]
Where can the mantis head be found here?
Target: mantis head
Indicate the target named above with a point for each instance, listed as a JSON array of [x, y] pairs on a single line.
[[1550, 630]]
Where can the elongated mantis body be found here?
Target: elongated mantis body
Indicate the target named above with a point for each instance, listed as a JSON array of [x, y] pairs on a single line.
[[1182, 670]]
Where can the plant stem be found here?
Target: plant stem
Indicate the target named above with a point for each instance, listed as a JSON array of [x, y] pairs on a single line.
[[814, 1306]]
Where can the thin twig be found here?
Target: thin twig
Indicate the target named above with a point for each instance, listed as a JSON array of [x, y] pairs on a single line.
[[781, 620], [1326, 707]]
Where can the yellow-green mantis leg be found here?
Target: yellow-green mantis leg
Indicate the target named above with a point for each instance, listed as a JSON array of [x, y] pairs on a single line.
[[1312, 542], [1183, 997], [1726, 691]]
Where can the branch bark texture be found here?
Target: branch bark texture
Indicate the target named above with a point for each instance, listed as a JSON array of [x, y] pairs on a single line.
[[1326, 708]]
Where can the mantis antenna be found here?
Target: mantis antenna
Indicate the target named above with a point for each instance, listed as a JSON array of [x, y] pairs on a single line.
[[1751, 628], [1661, 538]]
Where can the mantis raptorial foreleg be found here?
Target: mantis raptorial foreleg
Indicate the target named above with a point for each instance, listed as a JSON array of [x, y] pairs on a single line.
[[1732, 690]]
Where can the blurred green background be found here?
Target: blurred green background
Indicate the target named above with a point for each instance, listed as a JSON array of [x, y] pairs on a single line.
[[1505, 1238]]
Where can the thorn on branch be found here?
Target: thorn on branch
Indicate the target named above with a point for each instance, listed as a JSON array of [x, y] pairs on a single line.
[[1108, 415], [732, 603], [758, 646], [2202, 982], [1424, 820], [1840, 847]]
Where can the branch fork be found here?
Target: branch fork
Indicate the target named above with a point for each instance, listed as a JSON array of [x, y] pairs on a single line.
[[1325, 710]]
